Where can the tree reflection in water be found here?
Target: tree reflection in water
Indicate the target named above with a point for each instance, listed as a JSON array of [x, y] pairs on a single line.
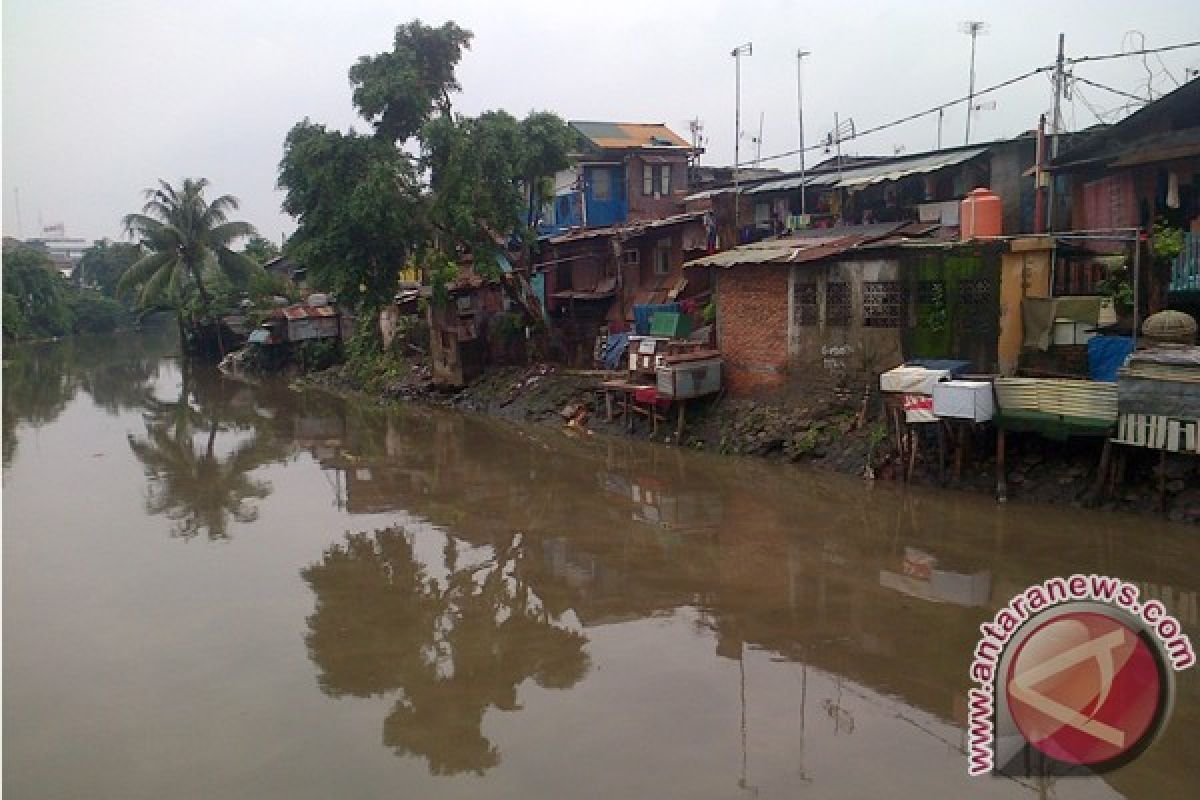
[[196, 487], [453, 645]]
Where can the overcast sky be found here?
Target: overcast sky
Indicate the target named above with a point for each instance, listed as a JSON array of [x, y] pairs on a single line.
[[103, 98]]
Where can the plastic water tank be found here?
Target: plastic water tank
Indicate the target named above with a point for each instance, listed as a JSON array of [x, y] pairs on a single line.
[[982, 214]]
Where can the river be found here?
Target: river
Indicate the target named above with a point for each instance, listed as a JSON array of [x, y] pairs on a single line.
[[217, 589]]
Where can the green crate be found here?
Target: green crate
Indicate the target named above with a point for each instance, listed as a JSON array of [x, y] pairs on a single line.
[[671, 324]]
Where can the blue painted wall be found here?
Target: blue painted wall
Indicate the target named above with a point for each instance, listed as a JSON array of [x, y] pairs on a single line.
[[612, 210]]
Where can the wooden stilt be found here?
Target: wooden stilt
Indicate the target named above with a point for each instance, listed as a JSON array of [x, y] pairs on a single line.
[[1001, 480], [1101, 473], [679, 427], [913, 444], [941, 437]]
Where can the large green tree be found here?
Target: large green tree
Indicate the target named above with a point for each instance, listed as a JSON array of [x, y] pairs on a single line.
[[188, 239], [103, 264], [366, 206]]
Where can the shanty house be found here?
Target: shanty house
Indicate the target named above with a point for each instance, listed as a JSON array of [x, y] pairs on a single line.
[[622, 172], [595, 276], [825, 307], [1142, 171], [458, 327]]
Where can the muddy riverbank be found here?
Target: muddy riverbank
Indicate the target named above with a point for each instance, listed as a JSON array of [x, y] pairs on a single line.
[[837, 430]]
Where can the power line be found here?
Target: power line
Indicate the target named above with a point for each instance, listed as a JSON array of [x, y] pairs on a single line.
[[998, 86], [1110, 89], [1142, 52], [919, 114]]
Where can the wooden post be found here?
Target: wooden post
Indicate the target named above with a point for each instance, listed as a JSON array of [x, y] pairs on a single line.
[[1001, 483], [963, 436], [913, 443], [941, 452], [1162, 481], [1102, 473], [608, 404], [679, 427]]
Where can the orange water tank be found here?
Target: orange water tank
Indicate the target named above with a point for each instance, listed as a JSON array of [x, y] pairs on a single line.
[[982, 214]]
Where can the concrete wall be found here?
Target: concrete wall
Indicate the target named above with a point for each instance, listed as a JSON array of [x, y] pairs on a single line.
[[838, 353]]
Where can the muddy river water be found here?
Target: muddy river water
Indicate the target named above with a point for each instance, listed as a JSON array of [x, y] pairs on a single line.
[[220, 590]]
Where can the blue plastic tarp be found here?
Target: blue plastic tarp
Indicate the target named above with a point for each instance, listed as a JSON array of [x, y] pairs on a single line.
[[614, 349], [642, 315], [1106, 355]]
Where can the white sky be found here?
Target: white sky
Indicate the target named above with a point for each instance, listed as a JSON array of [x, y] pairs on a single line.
[[103, 98]]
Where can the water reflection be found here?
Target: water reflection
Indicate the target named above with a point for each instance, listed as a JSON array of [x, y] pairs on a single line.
[[454, 639], [883, 597], [200, 487]]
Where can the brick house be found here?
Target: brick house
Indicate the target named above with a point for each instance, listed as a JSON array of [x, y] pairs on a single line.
[[842, 305]]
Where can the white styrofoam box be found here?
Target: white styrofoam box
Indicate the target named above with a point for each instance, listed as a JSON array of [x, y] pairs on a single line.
[[1070, 332], [964, 400], [911, 380]]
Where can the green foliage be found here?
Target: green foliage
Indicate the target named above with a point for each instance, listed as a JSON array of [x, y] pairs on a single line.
[[357, 203], [188, 240], [365, 207], [104, 263], [709, 314], [260, 249], [95, 313], [933, 316], [1166, 242], [1117, 286], [399, 91], [37, 299], [317, 354]]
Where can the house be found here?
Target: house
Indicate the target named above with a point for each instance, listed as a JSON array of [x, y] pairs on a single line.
[[458, 327], [286, 269], [822, 308], [621, 172], [1134, 174], [595, 276]]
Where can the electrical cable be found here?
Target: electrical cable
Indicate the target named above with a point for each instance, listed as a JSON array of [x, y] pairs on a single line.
[[1110, 89], [1107, 56], [1001, 85]]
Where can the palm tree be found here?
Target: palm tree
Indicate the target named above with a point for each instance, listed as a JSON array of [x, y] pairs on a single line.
[[187, 238]]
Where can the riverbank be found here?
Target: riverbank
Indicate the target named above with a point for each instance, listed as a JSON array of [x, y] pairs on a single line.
[[836, 430]]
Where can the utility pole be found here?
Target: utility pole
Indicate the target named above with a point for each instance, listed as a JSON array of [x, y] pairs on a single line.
[[971, 28], [1055, 126], [746, 49], [800, 54], [941, 113]]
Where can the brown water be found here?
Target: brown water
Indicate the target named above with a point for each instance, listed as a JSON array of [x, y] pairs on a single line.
[[214, 590]]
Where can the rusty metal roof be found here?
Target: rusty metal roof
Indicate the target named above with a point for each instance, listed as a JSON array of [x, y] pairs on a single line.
[[630, 231], [629, 135], [301, 311], [818, 245]]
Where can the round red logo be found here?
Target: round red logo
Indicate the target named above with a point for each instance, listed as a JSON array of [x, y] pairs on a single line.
[[1084, 688]]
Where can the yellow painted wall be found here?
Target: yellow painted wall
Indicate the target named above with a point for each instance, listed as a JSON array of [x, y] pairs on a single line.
[[1024, 272]]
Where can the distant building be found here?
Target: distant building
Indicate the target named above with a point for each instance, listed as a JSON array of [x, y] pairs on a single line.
[[66, 252]]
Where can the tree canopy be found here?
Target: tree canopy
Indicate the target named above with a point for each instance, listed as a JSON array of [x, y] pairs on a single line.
[[187, 239], [261, 249], [103, 264], [366, 206]]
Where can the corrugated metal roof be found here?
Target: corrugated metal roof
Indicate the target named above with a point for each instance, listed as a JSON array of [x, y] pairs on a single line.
[[893, 169], [304, 312], [817, 245], [630, 231], [627, 135], [902, 168]]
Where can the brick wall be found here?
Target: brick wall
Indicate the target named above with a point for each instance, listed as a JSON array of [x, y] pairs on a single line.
[[752, 308]]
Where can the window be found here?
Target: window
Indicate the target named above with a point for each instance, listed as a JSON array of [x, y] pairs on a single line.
[[631, 257], [884, 304], [837, 304], [806, 304], [656, 178], [662, 257], [601, 184]]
